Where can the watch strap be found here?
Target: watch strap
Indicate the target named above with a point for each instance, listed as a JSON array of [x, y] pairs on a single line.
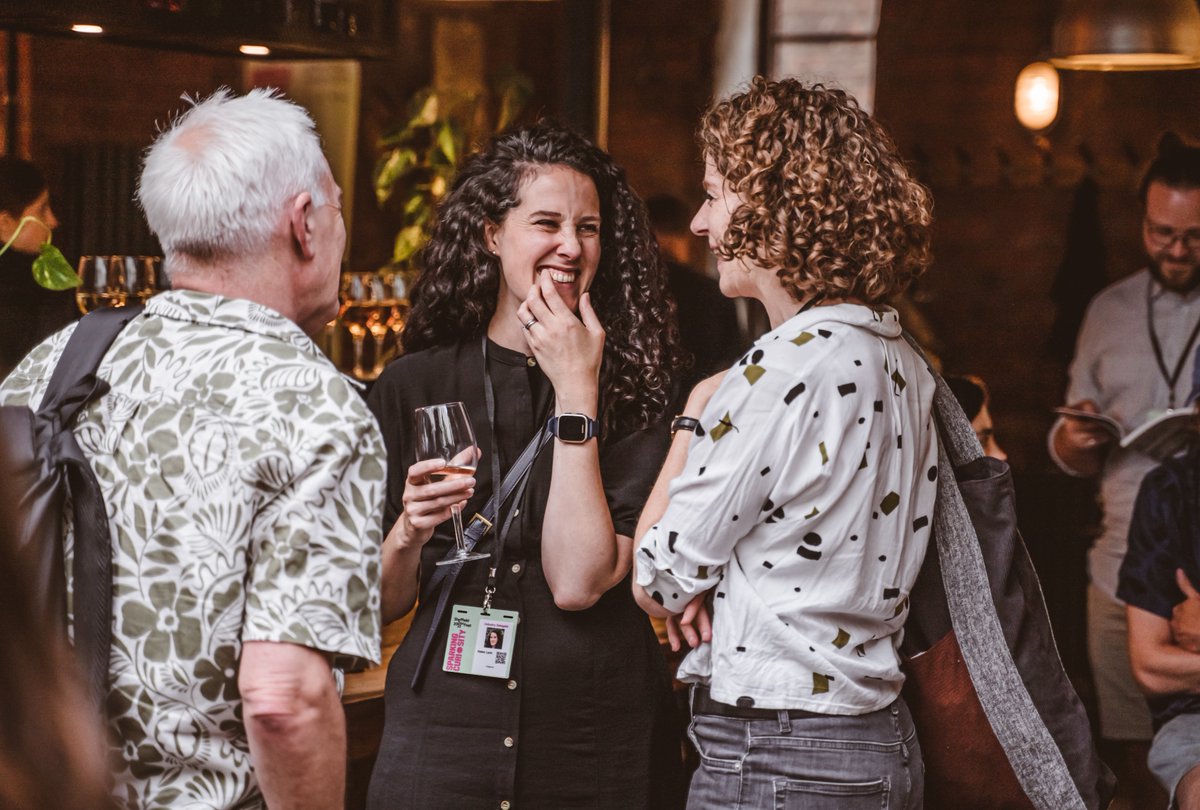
[[682, 422]]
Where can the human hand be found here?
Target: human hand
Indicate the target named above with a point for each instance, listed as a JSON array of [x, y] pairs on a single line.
[[1185, 618], [693, 625], [1084, 435], [569, 348], [427, 504]]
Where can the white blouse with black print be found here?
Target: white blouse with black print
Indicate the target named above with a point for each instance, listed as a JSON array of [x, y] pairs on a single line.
[[806, 505]]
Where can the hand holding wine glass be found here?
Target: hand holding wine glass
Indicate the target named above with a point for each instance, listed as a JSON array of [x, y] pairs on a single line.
[[443, 432]]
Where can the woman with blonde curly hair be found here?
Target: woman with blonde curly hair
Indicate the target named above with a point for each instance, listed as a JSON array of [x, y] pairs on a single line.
[[796, 499], [542, 295]]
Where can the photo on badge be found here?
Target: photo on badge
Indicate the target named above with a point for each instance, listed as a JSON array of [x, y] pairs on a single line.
[[492, 652]]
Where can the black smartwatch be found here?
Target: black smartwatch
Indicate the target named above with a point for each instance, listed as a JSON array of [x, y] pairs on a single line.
[[574, 428]]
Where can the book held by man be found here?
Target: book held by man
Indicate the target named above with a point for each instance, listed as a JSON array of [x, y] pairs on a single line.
[[1161, 436]]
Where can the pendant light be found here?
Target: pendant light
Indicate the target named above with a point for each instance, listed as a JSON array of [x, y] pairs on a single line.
[[1127, 35]]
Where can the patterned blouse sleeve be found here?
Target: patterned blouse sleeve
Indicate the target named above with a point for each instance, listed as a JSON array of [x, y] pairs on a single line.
[[734, 460], [314, 567]]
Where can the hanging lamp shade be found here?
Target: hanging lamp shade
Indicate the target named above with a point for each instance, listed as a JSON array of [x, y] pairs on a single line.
[[1127, 35]]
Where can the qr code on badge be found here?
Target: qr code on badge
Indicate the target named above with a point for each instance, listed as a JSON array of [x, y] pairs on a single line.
[[501, 657]]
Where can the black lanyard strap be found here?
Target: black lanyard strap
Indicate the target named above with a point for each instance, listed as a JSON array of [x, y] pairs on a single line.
[[1170, 377], [444, 576]]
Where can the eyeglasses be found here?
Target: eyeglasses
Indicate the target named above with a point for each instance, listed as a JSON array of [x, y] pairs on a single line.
[[1164, 236]]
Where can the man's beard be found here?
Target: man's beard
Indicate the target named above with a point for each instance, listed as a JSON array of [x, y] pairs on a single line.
[[1174, 281]]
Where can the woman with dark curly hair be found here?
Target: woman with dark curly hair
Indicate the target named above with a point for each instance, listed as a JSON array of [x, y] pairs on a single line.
[[542, 295], [799, 487]]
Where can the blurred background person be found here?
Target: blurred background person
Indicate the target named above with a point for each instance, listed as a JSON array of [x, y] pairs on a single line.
[[52, 751], [973, 396], [1133, 359], [28, 311]]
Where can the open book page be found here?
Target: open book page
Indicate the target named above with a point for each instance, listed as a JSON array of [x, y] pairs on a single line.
[[1164, 435], [1159, 437]]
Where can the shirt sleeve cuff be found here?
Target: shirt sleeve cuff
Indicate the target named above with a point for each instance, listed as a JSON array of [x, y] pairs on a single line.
[[1058, 462], [664, 584]]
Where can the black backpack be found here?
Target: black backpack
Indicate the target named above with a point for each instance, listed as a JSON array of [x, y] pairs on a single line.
[[41, 464]]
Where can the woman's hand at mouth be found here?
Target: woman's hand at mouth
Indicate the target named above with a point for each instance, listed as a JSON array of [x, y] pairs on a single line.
[[567, 347]]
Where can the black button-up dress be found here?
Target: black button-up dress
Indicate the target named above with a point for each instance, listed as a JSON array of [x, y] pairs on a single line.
[[586, 719]]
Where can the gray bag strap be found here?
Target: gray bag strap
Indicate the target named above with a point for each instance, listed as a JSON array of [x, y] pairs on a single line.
[[1031, 750]]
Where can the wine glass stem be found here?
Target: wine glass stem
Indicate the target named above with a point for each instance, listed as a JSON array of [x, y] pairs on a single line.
[[378, 367], [358, 356], [456, 514]]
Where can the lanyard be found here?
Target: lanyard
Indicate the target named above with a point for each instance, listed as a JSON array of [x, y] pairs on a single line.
[[1170, 377], [502, 534]]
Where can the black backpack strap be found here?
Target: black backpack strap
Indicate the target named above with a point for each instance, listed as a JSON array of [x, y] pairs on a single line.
[[88, 344], [72, 386]]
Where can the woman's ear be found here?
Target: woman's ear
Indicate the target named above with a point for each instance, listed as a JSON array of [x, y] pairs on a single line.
[[490, 229]]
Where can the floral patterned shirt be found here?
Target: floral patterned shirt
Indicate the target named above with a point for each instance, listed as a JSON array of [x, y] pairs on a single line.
[[244, 483], [805, 505]]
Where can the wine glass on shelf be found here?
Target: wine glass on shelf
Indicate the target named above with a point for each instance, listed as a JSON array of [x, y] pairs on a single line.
[[357, 300], [444, 432], [102, 283], [395, 284], [145, 276], [378, 327]]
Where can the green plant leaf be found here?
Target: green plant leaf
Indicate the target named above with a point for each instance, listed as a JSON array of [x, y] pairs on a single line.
[[447, 142], [415, 203], [408, 242], [52, 270], [427, 107], [390, 170]]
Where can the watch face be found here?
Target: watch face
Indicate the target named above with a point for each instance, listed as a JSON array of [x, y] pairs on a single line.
[[572, 427]]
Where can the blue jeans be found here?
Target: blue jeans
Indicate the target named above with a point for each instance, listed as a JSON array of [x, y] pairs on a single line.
[[810, 762]]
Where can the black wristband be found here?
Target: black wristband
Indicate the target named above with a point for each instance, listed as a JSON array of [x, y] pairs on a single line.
[[684, 423]]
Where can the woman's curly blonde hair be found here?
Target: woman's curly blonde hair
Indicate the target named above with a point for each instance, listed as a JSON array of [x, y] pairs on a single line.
[[829, 206]]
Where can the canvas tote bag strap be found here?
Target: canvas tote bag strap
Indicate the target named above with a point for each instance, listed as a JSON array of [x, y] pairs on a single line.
[[1015, 720]]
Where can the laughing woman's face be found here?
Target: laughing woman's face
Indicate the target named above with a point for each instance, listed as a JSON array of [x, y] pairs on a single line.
[[556, 230]]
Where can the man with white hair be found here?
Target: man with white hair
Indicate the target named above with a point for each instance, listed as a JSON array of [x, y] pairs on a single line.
[[243, 475]]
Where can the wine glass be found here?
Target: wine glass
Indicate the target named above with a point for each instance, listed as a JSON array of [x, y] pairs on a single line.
[[444, 432], [377, 325], [145, 276], [103, 283], [354, 296], [396, 285]]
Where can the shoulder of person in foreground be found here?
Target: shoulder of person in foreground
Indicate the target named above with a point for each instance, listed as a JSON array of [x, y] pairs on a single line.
[[32, 374]]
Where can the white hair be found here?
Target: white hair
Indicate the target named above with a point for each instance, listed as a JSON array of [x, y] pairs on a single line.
[[215, 180]]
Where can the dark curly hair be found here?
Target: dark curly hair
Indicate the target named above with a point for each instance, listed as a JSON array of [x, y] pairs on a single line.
[[830, 206], [456, 294]]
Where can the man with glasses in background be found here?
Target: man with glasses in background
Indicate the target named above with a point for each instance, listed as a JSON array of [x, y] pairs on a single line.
[[1133, 360]]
